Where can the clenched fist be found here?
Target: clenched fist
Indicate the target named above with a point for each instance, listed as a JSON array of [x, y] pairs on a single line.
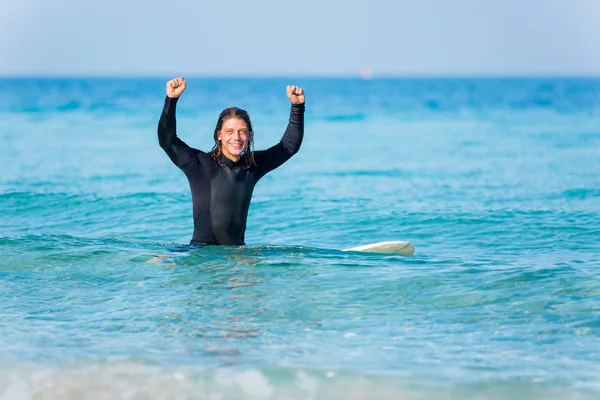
[[175, 87], [295, 94]]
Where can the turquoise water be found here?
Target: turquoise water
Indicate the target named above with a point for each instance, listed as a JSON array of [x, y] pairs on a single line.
[[495, 181]]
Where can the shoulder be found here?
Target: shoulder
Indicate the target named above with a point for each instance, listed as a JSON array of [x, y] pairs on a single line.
[[197, 156], [259, 157], [258, 154], [202, 155]]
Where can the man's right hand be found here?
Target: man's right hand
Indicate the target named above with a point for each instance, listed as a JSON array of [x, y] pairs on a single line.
[[175, 87]]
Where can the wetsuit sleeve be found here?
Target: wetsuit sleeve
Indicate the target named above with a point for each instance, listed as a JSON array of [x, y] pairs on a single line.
[[273, 157], [179, 152]]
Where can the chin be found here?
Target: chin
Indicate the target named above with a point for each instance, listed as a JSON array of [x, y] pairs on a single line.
[[236, 153]]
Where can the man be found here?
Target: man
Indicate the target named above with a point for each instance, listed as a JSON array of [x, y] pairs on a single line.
[[222, 180]]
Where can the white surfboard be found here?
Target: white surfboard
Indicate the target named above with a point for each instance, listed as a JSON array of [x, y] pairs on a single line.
[[393, 247]]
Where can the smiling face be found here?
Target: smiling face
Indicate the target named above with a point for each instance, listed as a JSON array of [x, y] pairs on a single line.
[[234, 136]]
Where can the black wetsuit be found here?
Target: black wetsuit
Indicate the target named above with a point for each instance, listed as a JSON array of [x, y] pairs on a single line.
[[221, 194]]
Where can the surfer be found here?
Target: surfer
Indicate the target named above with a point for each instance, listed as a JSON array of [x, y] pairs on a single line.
[[222, 180]]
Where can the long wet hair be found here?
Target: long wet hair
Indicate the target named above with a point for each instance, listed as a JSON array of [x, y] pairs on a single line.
[[248, 154]]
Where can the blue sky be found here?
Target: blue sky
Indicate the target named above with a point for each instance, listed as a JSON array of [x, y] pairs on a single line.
[[308, 37]]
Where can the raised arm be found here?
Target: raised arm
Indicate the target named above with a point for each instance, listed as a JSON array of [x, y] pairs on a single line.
[[273, 157], [179, 152]]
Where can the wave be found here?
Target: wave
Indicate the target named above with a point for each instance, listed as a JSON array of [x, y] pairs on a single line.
[[127, 378]]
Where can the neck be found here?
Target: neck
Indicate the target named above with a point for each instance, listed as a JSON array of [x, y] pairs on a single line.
[[232, 158]]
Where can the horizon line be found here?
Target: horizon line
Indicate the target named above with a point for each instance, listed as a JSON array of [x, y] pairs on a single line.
[[307, 76]]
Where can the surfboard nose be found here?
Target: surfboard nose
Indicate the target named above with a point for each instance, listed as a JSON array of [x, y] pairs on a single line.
[[391, 247]]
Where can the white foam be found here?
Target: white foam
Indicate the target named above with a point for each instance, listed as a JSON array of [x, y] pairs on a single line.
[[17, 390], [129, 380]]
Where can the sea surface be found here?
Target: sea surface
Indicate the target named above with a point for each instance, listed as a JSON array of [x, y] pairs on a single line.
[[496, 182]]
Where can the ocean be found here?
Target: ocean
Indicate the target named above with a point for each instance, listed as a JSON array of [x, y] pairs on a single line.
[[495, 181]]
